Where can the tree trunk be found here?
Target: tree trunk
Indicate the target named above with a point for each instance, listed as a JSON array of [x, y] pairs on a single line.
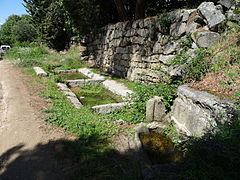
[[121, 10], [140, 9]]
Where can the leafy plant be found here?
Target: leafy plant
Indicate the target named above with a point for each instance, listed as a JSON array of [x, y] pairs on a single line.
[[136, 112]]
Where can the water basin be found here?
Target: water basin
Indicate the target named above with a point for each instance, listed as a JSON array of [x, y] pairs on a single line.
[[92, 95], [72, 75], [159, 148]]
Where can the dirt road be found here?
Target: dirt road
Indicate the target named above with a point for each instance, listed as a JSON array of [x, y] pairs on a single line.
[[27, 144]]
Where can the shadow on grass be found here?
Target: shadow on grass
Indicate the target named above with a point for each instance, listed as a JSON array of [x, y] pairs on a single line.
[[63, 159], [216, 155]]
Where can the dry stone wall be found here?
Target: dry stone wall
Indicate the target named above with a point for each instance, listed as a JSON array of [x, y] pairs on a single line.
[[143, 49]]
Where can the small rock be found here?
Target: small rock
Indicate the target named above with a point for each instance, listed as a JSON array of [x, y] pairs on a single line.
[[194, 45], [177, 71], [120, 121]]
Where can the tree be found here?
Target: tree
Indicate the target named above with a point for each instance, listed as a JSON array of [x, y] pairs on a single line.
[[122, 12], [140, 9], [51, 21], [6, 35], [57, 31], [23, 30]]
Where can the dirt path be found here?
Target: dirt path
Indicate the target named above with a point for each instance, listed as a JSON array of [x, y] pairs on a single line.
[[27, 145]]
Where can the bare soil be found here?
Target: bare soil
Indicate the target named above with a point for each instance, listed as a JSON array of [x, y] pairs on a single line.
[[28, 146]]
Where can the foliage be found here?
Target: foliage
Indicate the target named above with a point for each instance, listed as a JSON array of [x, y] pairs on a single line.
[[135, 112], [23, 30], [6, 35], [56, 28], [197, 67], [51, 21], [215, 152], [27, 56], [42, 56], [194, 64]]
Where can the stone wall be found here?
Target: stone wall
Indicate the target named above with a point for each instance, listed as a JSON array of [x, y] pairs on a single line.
[[143, 49]]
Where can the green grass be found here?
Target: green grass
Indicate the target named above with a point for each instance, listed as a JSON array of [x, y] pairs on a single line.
[[95, 95], [49, 60]]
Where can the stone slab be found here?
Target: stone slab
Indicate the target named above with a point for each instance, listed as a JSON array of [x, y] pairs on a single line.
[[108, 108], [87, 72], [39, 71], [117, 88], [80, 82], [70, 95], [65, 71]]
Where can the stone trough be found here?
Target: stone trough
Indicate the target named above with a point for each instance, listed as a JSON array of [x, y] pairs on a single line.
[[93, 78]]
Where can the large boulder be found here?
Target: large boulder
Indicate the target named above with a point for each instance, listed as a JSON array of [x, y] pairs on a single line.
[[196, 111], [213, 15]]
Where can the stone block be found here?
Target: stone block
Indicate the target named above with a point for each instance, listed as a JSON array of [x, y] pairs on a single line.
[[87, 72], [163, 39], [130, 32], [157, 48], [214, 17], [226, 3], [143, 32], [137, 40], [109, 108], [81, 82], [155, 110], [65, 71], [121, 50], [192, 27], [70, 95], [136, 58], [39, 71], [205, 39], [117, 88], [170, 47], [166, 59], [186, 14], [177, 29], [153, 59]]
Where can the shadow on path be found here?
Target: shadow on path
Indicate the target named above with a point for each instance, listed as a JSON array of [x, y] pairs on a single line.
[[63, 159]]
